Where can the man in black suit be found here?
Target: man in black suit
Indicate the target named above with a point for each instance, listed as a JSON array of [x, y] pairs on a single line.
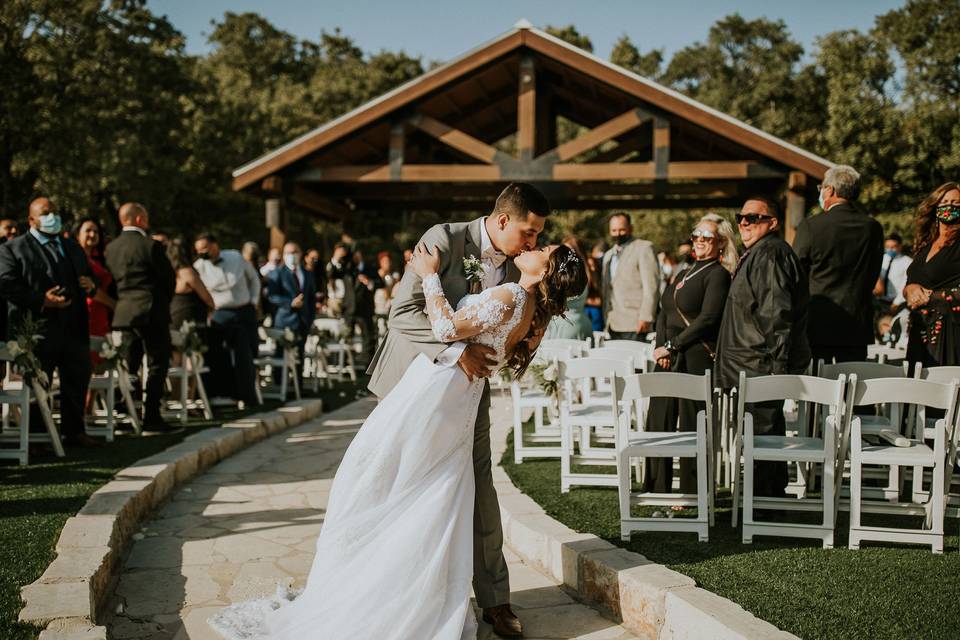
[[842, 251], [145, 284], [47, 276]]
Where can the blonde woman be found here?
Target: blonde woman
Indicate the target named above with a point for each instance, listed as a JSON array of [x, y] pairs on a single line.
[[691, 308]]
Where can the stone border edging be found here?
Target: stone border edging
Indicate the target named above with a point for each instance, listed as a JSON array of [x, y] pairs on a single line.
[[651, 600], [71, 593]]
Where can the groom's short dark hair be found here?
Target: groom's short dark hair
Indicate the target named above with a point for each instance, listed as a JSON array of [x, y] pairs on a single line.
[[520, 198]]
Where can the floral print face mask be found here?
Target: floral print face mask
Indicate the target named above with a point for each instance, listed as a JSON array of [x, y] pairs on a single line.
[[948, 213]]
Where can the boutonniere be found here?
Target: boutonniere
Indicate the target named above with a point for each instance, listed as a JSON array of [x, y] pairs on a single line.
[[474, 271]]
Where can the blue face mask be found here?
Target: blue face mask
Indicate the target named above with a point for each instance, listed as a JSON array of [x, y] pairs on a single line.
[[891, 252], [50, 223]]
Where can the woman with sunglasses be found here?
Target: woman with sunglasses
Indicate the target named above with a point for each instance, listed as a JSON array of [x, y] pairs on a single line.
[[933, 280], [691, 307]]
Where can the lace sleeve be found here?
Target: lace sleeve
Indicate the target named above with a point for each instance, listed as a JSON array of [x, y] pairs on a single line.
[[493, 308]]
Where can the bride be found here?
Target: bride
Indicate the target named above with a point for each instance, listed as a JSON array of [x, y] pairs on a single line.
[[394, 559]]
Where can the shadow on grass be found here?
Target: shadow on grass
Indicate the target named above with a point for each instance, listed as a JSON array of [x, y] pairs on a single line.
[[878, 592]]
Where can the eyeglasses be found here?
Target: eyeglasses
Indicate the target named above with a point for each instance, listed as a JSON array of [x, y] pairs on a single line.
[[706, 236], [751, 218]]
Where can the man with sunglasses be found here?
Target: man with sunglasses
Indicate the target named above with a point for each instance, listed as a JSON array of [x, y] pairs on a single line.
[[842, 252], [764, 326]]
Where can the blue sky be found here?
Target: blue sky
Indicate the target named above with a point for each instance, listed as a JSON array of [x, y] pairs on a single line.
[[440, 30]]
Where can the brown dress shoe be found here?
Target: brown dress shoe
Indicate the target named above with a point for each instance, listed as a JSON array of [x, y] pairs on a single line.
[[505, 622]]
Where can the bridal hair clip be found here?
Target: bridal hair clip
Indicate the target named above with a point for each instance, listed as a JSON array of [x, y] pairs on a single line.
[[571, 257]]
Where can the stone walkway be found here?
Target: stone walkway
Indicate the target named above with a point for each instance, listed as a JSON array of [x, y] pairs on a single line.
[[251, 522]]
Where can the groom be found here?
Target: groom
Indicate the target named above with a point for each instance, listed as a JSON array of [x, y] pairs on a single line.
[[517, 219]]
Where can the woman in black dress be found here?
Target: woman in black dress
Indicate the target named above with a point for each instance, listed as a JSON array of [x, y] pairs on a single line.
[[691, 307], [933, 281], [191, 300]]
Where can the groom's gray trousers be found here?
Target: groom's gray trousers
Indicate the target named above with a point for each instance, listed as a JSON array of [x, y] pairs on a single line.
[[408, 335]]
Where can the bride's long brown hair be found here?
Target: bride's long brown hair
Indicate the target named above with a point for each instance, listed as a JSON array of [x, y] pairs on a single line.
[[566, 277]]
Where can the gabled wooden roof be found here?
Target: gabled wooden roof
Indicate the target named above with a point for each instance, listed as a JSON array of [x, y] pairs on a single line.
[[608, 82]]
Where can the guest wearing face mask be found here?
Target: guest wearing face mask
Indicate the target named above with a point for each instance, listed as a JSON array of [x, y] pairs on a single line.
[[933, 280], [893, 275], [48, 277], [291, 290], [631, 283]]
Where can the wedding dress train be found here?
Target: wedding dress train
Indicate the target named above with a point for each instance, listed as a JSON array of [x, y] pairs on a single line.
[[394, 559]]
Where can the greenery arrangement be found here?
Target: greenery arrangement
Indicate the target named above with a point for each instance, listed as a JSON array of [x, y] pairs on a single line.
[[193, 342], [23, 350]]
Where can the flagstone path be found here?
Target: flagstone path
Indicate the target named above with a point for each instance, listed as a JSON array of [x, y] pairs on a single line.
[[251, 522]]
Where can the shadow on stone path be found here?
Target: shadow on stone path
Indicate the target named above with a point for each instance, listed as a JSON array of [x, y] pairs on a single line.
[[251, 522]]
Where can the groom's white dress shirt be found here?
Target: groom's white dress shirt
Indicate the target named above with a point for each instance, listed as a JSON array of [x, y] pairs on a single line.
[[494, 271]]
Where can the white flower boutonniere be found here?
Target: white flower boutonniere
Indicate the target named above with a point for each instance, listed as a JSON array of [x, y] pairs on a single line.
[[474, 271]]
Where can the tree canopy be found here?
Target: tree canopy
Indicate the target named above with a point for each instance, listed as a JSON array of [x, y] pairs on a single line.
[[101, 103]]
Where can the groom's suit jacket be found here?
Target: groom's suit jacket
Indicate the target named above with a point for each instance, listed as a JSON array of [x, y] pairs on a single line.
[[409, 333]]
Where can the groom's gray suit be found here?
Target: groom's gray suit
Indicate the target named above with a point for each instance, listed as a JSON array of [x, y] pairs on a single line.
[[409, 335]]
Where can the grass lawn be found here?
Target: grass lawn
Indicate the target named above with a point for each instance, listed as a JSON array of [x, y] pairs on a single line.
[[875, 593], [36, 500]]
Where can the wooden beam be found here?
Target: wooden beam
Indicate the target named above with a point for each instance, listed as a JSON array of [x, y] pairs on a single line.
[[397, 143], [627, 144], [598, 135], [796, 209], [456, 139], [648, 171], [661, 146], [315, 202], [527, 109]]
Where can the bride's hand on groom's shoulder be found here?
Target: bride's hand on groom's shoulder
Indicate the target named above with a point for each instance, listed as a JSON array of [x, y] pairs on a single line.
[[425, 261]]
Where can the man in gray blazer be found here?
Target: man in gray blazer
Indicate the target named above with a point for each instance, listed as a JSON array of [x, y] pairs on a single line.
[[631, 283], [517, 219]]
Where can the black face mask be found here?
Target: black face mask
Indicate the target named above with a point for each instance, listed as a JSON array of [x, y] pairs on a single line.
[[621, 240], [203, 256]]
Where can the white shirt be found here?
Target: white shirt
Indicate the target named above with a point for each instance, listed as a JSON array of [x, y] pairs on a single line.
[[268, 267], [895, 272], [231, 280], [493, 275]]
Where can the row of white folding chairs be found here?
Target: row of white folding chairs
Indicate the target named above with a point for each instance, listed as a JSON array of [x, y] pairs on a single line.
[[545, 441], [329, 359], [280, 368]]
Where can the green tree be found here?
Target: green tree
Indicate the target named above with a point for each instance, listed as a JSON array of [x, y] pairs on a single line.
[[571, 35], [627, 55]]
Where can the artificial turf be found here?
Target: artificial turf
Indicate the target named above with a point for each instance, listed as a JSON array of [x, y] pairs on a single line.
[[875, 593], [36, 500]]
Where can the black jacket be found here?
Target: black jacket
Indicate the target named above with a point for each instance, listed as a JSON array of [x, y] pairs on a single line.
[[28, 270], [841, 252], [764, 327], [145, 281]]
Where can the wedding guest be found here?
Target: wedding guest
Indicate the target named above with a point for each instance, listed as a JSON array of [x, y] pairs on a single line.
[[594, 305], [291, 290], [383, 283], [668, 267], [145, 286], [100, 306], [251, 253], [688, 323], [354, 297], [235, 287], [160, 236], [191, 300], [631, 282], [274, 261], [311, 263], [841, 251], [764, 327], [933, 280], [48, 277], [8, 228], [893, 274], [574, 323]]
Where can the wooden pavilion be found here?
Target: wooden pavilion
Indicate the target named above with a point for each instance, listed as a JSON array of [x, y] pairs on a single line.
[[450, 140]]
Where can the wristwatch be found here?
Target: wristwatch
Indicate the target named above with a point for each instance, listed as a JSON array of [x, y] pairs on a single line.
[[669, 346]]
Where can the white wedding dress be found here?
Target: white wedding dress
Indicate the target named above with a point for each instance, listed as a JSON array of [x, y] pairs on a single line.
[[394, 559]]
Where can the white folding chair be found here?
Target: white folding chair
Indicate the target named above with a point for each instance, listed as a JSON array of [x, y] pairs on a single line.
[[579, 420], [337, 352], [888, 416], [286, 364], [644, 351], [599, 337], [179, 377], [15, 398], [886, 354], [943, 375], [544, 440], [828, 394], [630, 393], [103, 389], [566, 343], [914, 452]]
